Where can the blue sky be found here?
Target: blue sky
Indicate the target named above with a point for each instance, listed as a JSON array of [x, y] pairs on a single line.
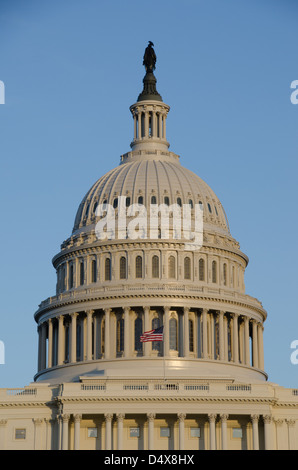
[[72, 68]]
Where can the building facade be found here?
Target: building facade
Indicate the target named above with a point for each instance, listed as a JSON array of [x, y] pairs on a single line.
[[123, 272]]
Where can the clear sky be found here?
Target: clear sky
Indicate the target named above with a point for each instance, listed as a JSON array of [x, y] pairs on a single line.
[[72, 68]]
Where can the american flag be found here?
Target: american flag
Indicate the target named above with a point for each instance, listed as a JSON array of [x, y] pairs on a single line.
[[152, 335]]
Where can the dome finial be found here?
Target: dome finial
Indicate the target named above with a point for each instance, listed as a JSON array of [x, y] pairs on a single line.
[[149, 91]]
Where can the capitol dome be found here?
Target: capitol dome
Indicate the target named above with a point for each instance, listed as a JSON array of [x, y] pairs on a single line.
[[151, 177], [112, 290]]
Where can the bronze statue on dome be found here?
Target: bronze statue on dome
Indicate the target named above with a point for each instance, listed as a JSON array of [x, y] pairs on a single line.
[[149, 59]]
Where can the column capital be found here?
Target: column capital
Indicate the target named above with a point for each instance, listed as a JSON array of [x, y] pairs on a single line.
[[279, 421], [38, 421], [107, 310], [186, 309], [212, 417], [89, 312], [291, 422], [77, 417], [166, 309], [255, 418], [3, 422], [151, 416], [224, 417], [181, 416], [65, 417], [146, 307], [73, 314], [267, 419], [108, 416], [120, 416]]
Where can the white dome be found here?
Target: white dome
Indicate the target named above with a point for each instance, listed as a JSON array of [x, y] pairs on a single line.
[[147, 175]]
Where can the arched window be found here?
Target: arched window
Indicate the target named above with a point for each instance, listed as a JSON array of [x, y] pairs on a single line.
[[190, 203], [127, 201], [173, 334], [167, 200], [155, 267], [138, 333], [115, 203], [153, 199], [201, 270], [140, 200], [122, 267], [107, 269], [82, 273], [225, 274], [93, 271], [187, 268], [214, 269], [209, 208], [179, 202], [120, 335], [139, 267], [191, 335], [233, 276], [156, 345], [172, 267]]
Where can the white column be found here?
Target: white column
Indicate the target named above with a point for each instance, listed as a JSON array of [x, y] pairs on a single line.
[[204, 327], [50, 342], [268, 431], [160, 125], [108, 418], [120, 417], [246, 341], [73, 338], [255, 344], [291, 434], [151, 417], [65, 420], [166, 331], [139, 124], [212, 418], [43, 345], [224, 437], [126, 332], [37, 433], [221, 336], [235, 338], [107, 332], [255, 431], [89, 334], [77, 428], [261, 346], [147, 345], [61, 351], [186, 332], [3, 423], [181, 417]]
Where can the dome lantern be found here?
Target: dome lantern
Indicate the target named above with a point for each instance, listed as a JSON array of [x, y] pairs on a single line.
[[149, 112]]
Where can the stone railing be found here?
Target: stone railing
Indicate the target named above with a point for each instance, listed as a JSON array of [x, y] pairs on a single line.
[[81, 294]]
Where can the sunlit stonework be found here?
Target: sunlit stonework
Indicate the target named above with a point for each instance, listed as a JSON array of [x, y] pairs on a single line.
[[98, 386]]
